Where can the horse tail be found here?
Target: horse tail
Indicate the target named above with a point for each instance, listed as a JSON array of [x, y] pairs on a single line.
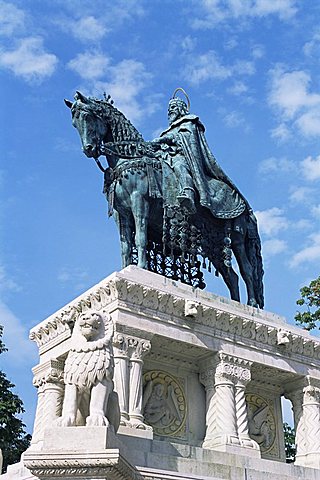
[[253, 250]]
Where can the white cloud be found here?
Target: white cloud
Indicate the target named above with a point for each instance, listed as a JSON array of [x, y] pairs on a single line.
[[313, 46], [73, 276], [125, 81], [290, 95], [208, 66], [235, 119], [258, 51], [29, 60], [271, 221], [289, 91], [15, 337], [244, 67], [188, 43], [309, 122], [276, 165], [301, 194], [7, 283], [302, 224], [89, 65], [315, 211], [87, 29], [128, 79], [311, 168], [310, 253], [273, 247], [238, 88], [216, 11], [281, 132], [205, 67], [12, 19]]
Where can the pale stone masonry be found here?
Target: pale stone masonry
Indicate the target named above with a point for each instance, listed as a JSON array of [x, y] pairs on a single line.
[[199, 380]]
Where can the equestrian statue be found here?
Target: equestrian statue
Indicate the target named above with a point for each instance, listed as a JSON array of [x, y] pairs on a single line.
[[172, 202]]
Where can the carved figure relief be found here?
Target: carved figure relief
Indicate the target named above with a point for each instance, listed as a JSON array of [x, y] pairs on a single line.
[[262, 424], [164, 404], [89, 396]]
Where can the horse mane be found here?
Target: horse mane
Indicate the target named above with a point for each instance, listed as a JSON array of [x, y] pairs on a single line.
[[122, 128]]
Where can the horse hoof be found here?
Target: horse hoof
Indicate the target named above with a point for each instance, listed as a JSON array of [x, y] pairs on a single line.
[[253, 303]]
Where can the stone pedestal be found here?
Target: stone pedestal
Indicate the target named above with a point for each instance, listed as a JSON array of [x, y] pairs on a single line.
[[77, 453], [199, 380]]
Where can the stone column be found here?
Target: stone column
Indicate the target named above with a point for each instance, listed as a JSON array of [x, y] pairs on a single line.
[[242, 411], [296, 398], [138, 348], [121, 375], [308, 453], [207, 378], [225, 378], [306, 406], [48, 378]]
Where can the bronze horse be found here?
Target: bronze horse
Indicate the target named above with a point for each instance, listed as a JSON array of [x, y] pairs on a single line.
[[133, 185]]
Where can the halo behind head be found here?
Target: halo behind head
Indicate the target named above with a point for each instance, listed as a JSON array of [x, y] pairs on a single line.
[[179, 89]]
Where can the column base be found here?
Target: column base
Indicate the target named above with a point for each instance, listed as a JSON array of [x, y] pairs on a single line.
[[311, 460], [232, 444]]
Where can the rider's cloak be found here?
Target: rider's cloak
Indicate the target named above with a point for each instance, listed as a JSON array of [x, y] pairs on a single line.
[[216, 191]]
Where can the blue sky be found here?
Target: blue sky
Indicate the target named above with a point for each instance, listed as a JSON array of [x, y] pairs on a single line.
[[251, 70]]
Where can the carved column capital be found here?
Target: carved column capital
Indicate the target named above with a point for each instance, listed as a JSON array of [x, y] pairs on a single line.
[[311, 395], [48, 372], [233, 369], [138, 348], [120, 345]]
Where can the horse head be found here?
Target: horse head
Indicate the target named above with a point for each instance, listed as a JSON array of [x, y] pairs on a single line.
[[90, 118]]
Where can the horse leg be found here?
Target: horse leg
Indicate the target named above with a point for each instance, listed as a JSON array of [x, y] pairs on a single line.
[[231, 279], [140, 209], [238, 248], [125, 227]]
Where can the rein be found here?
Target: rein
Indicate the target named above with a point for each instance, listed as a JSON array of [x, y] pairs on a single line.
[[131, 150]]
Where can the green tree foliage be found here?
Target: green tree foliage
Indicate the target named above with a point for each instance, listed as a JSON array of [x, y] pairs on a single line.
[[13, 438], [289, 443], [310, 298]]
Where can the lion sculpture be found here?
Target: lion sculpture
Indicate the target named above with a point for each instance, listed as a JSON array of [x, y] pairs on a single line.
[[89, 396]]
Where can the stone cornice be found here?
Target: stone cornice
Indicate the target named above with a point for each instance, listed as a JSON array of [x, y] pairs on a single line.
[[215, 317]]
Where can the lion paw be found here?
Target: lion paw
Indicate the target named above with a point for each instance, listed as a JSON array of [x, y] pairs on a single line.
[[66, 421], [97, 420]]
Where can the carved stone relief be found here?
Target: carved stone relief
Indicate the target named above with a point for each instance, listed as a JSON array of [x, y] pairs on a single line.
[[262, 424], [164, 403]]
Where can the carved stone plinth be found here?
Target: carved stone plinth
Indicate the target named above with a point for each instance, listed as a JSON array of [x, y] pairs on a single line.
[[77, 453], [205, 373]]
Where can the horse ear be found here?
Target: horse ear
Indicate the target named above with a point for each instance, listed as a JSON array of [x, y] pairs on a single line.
[[68, 103], [80, 96]]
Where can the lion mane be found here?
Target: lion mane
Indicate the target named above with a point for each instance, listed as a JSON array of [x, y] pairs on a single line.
[[89, 360]]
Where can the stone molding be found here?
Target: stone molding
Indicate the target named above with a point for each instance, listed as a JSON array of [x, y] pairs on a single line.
[[167, 305], [105, 464]]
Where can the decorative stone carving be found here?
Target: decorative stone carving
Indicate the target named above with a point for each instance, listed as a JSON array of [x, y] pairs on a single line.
[[225, 378], [262, 424], [88, 373], [191, 308], [305, 398], [138, 349], [283, 337], [164, 403], [48, 379], [128, 293], [121, 374], [81, 465]]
